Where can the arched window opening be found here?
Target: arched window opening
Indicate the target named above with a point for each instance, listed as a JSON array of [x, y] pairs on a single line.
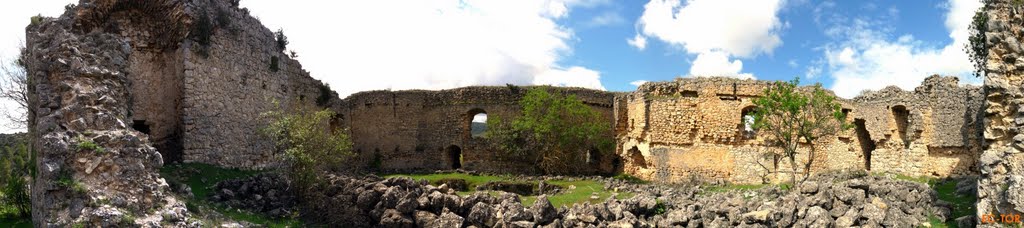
[[902, 117], [455, 157], [746, 126], [474, 123], [478, 125]]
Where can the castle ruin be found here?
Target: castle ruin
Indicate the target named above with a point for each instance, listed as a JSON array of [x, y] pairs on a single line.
[[161, 81]]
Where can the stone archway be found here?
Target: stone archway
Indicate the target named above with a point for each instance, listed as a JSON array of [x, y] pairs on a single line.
[[475, 123]]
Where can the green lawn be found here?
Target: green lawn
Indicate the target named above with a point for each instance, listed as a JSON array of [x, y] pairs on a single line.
[[582, 191], [962, 204], [202, 177]]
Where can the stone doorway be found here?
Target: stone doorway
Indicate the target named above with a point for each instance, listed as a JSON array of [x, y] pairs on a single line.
[[455, 157]]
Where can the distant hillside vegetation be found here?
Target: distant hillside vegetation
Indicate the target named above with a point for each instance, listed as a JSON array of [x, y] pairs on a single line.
[[11, 139], [478, 129]]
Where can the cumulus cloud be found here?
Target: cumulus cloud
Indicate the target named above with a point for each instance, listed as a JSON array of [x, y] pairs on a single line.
[[638, 41], [439, 44], [706, 25], [574, 76], [638, 82], [717, 63], [714, 29], [866, 57]]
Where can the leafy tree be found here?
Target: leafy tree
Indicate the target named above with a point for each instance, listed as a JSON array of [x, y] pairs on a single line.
[[976, 47], [16, 166], [554, 130], [789, 116], [311, 147]]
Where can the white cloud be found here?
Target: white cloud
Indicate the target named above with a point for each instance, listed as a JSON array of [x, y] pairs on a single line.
[[717, 64], [429, 44], [480, 118], [867, 59], [574, 76], [743, 28], [606, 19], [638, 82], [638, 41], [714, 30]]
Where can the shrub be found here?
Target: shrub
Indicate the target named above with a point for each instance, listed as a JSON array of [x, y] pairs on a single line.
[[282, 40], [325, 95], [554, 130], [86, 144], [35, 20], [310, 146], [202, 30], [69, 7]]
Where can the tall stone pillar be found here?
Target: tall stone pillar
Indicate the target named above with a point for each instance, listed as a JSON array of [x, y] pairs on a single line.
[[1001, 184]]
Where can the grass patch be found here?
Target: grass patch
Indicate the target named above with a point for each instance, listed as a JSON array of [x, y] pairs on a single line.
[[202, 178], [963, 205], [16, 222], [581, 192]]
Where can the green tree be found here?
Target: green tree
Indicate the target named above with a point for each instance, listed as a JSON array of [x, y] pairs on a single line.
[[311, 147], [556, 131], [789, 116], [976, 46], [17, 164]]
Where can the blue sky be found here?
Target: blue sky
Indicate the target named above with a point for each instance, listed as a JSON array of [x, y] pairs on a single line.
[[810, 32], [848, 46]]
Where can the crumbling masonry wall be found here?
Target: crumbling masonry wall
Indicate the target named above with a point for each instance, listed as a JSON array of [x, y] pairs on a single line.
[[1001, 182], [693, 129], [93, 169], [418, 129]]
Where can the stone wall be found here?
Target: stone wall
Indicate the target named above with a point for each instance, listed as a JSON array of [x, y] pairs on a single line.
[[93, 169], [693, 129], [224, 93], [1001, 184], [428, 130]]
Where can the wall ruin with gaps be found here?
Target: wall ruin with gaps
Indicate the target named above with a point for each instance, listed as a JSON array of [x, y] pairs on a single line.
[[693, 129]]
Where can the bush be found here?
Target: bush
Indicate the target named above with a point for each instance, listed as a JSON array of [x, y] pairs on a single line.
[[554, 130], [310, 146], [282, 40], [325, 95], [86, 144], [35, 20], [201, 33]]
